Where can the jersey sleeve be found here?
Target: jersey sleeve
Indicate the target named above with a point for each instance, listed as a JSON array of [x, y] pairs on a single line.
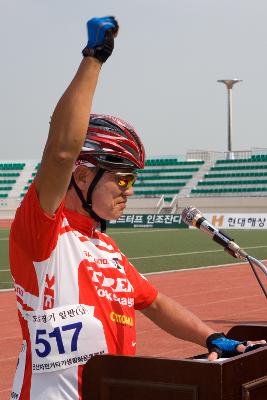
[[33, 229], [144, 292]]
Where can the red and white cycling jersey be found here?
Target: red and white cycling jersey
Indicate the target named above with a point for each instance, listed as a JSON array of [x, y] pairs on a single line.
[[76, 297]]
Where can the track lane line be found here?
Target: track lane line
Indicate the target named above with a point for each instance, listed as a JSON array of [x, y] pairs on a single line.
[[192, 253]]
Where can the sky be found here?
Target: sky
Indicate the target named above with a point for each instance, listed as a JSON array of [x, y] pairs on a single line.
[[162, 76]]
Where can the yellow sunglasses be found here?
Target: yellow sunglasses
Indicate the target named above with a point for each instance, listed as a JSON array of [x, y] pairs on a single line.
[[125, 180]]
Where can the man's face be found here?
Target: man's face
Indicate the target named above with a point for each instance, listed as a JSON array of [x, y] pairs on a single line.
[[111, 193]]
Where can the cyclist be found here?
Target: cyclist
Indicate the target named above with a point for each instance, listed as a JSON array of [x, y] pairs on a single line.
[[76, 291]]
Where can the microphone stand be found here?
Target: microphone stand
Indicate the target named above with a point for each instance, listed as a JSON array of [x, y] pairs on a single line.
[[193, 217], [253, 261]]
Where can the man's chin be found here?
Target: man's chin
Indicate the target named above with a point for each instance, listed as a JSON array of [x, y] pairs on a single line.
[[119, 210], [117, 214]]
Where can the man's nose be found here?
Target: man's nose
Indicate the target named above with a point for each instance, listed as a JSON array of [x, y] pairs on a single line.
[[129, 191]]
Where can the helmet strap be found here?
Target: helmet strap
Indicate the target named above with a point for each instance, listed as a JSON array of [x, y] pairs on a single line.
[[87, 204]]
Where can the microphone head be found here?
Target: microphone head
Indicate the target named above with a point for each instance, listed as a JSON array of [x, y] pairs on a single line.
[[190, 215]]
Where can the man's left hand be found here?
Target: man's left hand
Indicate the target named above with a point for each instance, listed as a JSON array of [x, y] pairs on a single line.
[[220, 346]]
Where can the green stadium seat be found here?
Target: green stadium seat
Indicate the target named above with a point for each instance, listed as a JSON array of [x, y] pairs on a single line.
[[170, 162], [12, 166], [160, 184], [165, 170], [156, 192], [7, 182], [9, 174], [6, 188], [233, 182], [163, 177], [168, 199]]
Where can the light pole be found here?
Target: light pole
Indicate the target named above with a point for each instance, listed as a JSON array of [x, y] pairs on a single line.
[[229, 83]]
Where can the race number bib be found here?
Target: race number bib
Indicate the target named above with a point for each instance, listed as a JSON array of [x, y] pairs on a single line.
[[64, 337]]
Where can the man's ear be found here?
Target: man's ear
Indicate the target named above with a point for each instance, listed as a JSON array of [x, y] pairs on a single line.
[[83, 176]]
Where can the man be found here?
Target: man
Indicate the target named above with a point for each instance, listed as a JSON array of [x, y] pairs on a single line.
[[76, 292]]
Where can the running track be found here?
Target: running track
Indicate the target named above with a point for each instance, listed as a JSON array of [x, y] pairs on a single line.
[[222, 296]]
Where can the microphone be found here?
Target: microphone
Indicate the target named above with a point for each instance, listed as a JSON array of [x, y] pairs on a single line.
[[192, 216]]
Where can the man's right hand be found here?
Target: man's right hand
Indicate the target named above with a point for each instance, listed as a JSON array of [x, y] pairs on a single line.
[[101, 33]]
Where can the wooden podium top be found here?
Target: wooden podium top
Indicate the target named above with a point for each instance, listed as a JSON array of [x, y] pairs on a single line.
[[242, 377]]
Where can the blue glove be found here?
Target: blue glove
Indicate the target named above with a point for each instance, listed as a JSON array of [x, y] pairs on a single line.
[[224, 347], [101, 32]]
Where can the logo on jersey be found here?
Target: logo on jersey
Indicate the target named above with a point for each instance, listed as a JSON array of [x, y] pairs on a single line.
[[116, 263], [115, 284], [111, 288], [121, 319], [49, 292], [104, 262]]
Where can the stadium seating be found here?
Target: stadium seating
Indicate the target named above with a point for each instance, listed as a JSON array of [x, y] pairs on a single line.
[[233, 182], [234, 177], [156, 176], [170, 161], [165, 177], [159, 170], [11, 166], [159, 184], [156, 192], [7, 175], [29, 181], [252, 159], [230, 190], [259, 157]]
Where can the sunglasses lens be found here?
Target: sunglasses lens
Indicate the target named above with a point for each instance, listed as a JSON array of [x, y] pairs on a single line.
[[126, 181]]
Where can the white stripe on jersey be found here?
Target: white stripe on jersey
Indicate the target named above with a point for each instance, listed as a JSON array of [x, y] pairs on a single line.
[[98, 242], [26, 298]]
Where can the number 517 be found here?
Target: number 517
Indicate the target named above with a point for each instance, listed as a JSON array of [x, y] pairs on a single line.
[[44, 338]]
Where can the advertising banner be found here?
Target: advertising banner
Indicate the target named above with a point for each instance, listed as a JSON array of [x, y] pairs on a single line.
[[148, 221], [237, 221]]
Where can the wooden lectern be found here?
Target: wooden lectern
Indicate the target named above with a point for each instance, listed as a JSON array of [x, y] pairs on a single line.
[[242, 377]]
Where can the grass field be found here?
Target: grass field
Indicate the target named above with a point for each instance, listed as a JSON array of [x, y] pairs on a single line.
[[152, 250]]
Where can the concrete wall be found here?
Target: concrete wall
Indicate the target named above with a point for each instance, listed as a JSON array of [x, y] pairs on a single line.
[[204, 204], [225, 204], [143, 206]]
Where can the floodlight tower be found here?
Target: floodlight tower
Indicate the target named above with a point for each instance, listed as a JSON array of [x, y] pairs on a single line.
[[229, 83]]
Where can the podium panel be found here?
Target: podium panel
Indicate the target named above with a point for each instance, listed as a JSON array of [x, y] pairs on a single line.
[[255, 390], [131, 390], [119, 377], [242, 377]]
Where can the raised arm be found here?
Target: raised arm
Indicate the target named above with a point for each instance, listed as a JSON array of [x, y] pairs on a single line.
[[70, 119]]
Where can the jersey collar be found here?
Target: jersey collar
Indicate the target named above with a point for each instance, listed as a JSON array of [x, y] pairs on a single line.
[[82, 223]]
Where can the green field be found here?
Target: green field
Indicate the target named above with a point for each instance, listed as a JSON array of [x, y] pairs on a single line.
[[152, 250]]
